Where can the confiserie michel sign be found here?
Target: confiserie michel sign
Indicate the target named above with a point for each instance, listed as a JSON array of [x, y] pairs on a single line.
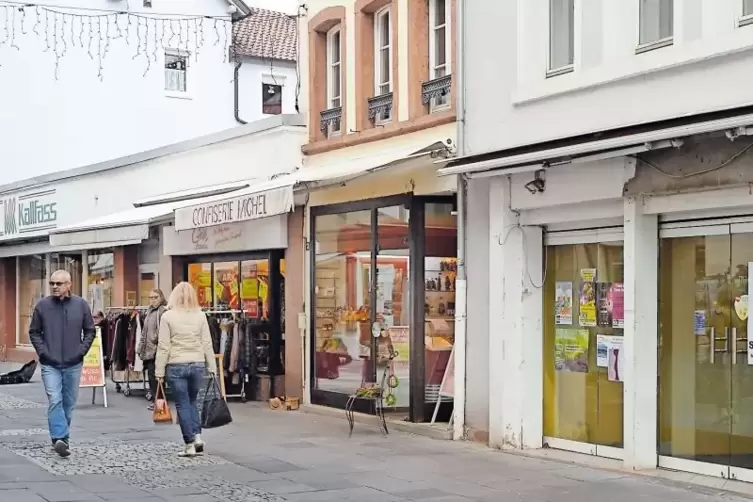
[[241, 208]]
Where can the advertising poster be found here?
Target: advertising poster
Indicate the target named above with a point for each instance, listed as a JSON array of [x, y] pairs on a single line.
[[699, 322], [563, 303], [603, 304], [93, 368], [617, 301], [587, 311], [616, 361], [571, 350], [603, 344]]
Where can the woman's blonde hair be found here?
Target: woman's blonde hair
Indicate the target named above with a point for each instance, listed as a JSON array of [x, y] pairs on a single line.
[[158, 292], [183, 297]]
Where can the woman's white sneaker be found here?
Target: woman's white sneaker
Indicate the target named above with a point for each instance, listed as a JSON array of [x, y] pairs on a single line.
[[189, 451], [199, 443]]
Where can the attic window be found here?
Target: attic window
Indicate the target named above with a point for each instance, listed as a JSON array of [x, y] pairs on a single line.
[[271, 99], [148, 3]]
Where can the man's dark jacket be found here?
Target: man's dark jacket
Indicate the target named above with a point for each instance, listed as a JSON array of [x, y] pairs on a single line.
[[61, 330]]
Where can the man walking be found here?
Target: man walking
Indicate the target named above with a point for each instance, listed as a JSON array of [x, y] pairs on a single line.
[[62, 331]]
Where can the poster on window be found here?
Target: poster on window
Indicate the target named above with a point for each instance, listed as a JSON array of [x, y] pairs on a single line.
[[603, 345], [571, 350], [563, 303], [587, 303], [617, 302], [616, 361]]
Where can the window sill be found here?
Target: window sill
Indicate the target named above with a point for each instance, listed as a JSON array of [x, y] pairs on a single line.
[[560, 71], [745, 21], [658, 44], [390, 130], [178, 95]]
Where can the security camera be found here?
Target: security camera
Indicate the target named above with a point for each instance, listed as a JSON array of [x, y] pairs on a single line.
[[538, 184]]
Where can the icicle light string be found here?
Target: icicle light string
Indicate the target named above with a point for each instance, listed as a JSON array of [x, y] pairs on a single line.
[[95, 30]]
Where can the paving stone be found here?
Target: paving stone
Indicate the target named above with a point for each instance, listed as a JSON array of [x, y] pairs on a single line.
[[202, 482], [20, 496], [110, 457], [8, 402]]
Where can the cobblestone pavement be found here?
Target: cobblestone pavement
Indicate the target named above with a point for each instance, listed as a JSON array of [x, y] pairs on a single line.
[[120, 456]]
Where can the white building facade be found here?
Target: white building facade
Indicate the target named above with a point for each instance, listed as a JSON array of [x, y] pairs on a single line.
[[609, 228], [89, 81]]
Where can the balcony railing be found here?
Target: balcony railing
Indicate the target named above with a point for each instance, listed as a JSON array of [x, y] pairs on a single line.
[[436, 88], [380, 107], [330, 119]]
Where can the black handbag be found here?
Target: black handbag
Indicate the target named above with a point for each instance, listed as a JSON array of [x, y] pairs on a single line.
[[215, 412]]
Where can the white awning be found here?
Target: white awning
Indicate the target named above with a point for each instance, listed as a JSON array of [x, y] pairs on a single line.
[[586, 151], [276, 196], [118, 229]]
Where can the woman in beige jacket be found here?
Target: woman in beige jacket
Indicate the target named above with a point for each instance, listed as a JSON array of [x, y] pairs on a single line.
[[184, 355]]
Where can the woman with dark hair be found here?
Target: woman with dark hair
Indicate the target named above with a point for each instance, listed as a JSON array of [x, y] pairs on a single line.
[[147, 350]]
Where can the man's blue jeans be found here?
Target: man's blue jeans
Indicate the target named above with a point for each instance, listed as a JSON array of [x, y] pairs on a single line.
[[185, 381], [61, 385]]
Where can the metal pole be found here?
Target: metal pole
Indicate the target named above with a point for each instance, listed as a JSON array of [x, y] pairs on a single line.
[[458, 414]]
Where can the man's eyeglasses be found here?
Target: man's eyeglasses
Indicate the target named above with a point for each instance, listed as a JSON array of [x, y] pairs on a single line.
[[154, 297], [57, 283]]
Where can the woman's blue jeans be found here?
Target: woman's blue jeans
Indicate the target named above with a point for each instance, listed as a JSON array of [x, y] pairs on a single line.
[[185, 380]]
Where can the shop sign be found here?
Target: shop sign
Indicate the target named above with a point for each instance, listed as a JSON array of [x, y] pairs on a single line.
[[24, 214], [265, 233], [242, 208]]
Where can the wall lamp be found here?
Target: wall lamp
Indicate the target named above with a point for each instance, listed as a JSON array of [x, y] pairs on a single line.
[[538, 184]]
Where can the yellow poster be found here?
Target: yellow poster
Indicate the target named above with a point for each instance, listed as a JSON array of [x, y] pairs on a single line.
[[249, 289], [93, 369], [218, 290], [263, 291]]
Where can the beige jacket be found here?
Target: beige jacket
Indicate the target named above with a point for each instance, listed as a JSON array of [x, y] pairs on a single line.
[[184, 338]]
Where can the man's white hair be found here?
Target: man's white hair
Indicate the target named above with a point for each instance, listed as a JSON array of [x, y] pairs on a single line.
[[63, 274]]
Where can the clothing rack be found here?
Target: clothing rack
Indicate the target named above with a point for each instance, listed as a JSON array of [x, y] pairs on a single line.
[[127, 372]]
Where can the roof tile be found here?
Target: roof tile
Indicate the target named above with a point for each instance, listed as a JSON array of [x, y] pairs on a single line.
[[267, 34]]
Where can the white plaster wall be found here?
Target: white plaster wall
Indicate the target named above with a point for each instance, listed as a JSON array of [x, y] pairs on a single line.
[[255, 72], [49, 125], [478, 307], [510, 102], [252, 156]]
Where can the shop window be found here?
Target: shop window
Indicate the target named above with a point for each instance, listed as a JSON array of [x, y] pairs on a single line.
[[440, 270], [100, 280], [200, 277], [72, 265], [583, 356], [225, 283], [255, 288], [148, 281], [32, 278], [341, 301]]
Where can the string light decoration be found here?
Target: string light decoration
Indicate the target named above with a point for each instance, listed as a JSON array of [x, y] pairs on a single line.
[[94, 31]]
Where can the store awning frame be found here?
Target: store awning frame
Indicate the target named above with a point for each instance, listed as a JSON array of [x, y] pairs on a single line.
[[227, 208], [118, 229], [623, 142]]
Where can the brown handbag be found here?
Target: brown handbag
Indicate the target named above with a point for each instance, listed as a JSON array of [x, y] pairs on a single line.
[[161, 413]]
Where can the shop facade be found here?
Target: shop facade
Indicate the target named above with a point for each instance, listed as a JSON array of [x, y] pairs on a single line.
[[102, 222], [381, 270], [617, 294]]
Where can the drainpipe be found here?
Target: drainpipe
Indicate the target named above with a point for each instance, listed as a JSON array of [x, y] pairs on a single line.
[[236, 92], [458, 418]]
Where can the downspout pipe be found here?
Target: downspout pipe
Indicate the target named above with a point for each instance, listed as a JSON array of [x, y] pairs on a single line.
[[236, 92], [461, 288], [236, 73]]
